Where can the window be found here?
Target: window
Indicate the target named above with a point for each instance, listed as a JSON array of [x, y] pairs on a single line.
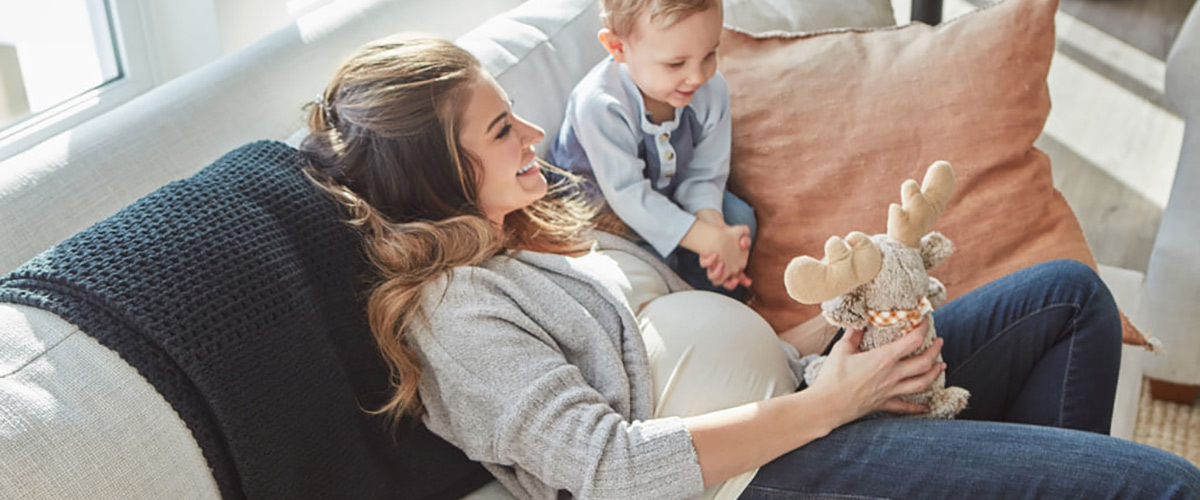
[[63, 62]]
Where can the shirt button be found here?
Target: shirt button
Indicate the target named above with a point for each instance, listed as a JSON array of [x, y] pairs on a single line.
[[670, 155], [664, 137]]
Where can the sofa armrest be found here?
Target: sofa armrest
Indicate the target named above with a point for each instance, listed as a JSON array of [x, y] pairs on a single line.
[[76, 421], [1173, 277]]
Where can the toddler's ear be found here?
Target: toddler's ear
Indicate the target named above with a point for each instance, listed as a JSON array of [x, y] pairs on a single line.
[[612, 44]]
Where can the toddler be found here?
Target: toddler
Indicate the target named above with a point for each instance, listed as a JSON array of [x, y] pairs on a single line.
[[650, 126]]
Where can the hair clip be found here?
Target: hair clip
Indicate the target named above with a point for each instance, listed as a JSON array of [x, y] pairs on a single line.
[[325, 107]]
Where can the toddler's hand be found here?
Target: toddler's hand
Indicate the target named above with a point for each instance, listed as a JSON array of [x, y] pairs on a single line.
[[715, 267], [711, 216], [726, 264]]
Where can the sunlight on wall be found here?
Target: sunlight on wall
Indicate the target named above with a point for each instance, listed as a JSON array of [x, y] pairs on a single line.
[[1117, 131], [1113, 128]]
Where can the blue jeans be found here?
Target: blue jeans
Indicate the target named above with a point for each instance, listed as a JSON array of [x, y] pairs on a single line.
[[1039, 351], [687, 264]]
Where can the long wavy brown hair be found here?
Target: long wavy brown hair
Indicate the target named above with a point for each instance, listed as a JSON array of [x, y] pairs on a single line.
[[383, 142]]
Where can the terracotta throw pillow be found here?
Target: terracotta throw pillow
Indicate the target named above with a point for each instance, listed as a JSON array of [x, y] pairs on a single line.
[[827, 125]]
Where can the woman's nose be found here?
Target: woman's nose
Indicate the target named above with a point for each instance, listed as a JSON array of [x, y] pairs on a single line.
[[532, 134]]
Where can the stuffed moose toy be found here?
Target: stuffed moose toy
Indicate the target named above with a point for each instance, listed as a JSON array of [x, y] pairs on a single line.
[[880, 283]]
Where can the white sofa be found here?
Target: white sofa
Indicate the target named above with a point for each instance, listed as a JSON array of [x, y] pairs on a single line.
[[78, 422], [1173, 278]]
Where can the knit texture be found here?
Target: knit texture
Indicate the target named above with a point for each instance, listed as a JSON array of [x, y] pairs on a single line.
[[239, 295], [539, 371]]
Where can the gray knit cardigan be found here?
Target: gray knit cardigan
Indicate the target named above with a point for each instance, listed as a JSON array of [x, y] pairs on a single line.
[[539, 372]]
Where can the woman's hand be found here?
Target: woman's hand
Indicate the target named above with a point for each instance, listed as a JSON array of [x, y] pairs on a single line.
[[864, 382]]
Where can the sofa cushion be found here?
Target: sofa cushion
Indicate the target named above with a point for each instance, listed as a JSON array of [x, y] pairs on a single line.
[[826, 127], [66, 400], [538, 52]]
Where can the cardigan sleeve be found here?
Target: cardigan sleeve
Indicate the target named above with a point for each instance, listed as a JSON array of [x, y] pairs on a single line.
[[498, 386]]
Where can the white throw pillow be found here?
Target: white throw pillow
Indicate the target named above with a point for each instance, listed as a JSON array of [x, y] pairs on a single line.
[[801, 16], [538, 52]]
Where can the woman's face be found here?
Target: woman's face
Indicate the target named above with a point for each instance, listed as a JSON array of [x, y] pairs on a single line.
[[502, 143]]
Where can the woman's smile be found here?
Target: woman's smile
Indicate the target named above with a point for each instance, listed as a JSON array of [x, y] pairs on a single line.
[[531, 167]]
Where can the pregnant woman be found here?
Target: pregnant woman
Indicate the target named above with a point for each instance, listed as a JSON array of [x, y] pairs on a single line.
[[572, 364]]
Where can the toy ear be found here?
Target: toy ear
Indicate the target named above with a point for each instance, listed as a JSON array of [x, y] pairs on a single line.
[[848, 311], [935, 247], [848, 263]]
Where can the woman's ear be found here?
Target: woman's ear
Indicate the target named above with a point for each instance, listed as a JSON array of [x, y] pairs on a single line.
[[615, 46]]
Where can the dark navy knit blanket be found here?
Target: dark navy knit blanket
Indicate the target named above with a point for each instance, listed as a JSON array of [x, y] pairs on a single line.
[[239, 295]]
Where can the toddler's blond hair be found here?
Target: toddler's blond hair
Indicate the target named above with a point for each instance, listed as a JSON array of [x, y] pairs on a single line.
[[620, 16]]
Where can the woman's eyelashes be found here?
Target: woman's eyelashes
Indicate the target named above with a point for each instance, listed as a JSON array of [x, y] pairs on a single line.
[[508, 125]]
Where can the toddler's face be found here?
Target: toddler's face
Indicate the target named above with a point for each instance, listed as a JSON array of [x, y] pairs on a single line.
[[669, 64]]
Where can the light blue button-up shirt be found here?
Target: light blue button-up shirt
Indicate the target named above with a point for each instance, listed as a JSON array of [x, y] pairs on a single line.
[[654, 177]]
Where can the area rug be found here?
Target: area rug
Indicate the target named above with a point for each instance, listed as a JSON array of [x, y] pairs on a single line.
[[1168, 426]]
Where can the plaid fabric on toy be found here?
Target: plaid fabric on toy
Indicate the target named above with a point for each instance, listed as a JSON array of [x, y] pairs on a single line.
[[911, 317]]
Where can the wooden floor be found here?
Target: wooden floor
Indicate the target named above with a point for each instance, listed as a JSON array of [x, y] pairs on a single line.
[[1112, 139]]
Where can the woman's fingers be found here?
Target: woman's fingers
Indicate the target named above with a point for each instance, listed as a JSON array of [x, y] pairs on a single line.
[[913, 385], [897, 405], [921, 363], [850, 341], [906, 344]]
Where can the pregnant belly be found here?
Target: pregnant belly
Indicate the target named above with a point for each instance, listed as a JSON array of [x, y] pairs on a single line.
[[709, 352]]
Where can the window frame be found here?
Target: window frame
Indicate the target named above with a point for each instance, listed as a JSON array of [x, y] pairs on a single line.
[[127, 23]]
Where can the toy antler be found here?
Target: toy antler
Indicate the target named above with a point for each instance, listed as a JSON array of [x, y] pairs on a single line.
[[848, 263], [921, 206]]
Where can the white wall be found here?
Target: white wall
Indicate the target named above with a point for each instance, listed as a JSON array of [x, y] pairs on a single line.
[[186, 34]]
